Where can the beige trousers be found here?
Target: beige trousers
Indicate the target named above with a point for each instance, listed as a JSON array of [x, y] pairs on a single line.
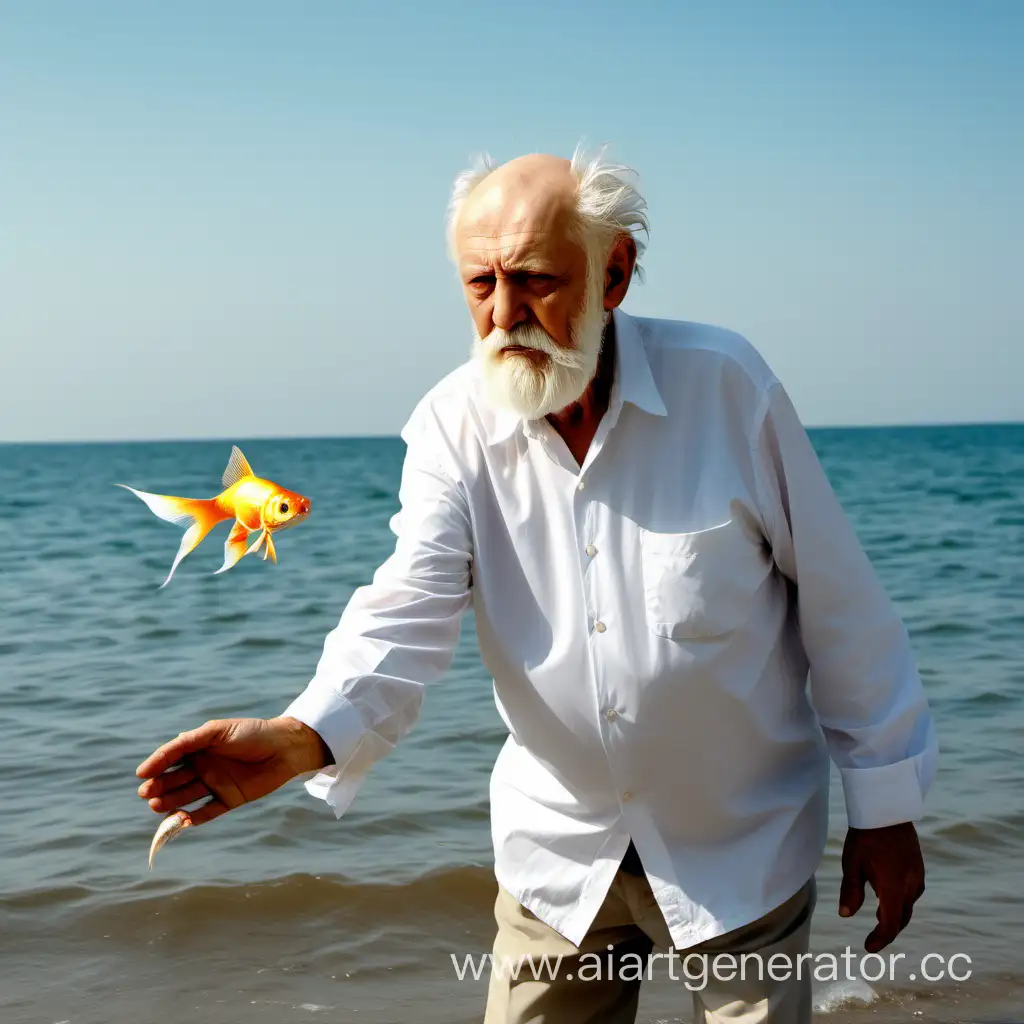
[[594, 985]]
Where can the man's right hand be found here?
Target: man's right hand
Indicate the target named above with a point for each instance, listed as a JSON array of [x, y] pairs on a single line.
[[234, 760]]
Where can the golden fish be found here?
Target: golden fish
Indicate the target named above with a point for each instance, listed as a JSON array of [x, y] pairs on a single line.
[[173, 825], [254, 503]]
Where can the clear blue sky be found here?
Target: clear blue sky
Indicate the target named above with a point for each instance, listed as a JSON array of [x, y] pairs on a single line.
[[226, 220]]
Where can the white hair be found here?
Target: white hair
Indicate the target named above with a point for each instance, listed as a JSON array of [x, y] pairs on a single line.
[[608, 206]]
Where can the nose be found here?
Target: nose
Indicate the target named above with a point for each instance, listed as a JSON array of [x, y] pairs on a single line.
[[508, 308]]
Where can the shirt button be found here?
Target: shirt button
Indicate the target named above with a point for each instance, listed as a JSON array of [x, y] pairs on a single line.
[[579, 486], [591, 550], [600, 627], [627, 796], [611, 714]]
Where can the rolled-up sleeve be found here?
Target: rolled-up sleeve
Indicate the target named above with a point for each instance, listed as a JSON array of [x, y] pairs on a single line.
[[398, 633], [864, 682]]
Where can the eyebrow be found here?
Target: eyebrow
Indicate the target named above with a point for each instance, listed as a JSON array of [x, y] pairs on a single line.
[[527, 265]]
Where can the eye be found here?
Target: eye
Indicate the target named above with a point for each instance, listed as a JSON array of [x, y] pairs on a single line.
[[284, 506], [543, 284], [482, 284]]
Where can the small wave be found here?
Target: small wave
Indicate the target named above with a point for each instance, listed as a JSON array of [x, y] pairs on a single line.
[[229, 617], [945, 629], [307, 610], [983, 834], [23, 503], [950, 544], [990, 697], [63, 554], [449, 892], [40, 899], [87, 642], [982, 495], [260, 642], [163, 633], [411, 823], [1008, 521]]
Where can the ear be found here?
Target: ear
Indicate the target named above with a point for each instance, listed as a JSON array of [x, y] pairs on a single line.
[[619, 271]]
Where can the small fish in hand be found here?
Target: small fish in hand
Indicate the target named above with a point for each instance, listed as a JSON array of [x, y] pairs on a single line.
[[173, 825], [256, 505]]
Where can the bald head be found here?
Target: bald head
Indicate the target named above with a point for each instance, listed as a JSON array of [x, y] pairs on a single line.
[[534, 187], [605, 205]]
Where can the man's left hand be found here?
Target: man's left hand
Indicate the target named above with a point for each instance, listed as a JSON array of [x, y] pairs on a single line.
[[890, 860]]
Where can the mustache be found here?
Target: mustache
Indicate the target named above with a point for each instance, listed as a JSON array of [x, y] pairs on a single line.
[[532, 337]]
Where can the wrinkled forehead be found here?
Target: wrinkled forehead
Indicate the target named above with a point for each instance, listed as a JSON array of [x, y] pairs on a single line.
[[510, 228]]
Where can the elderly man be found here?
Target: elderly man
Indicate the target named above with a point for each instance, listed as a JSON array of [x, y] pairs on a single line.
[[657, 565]]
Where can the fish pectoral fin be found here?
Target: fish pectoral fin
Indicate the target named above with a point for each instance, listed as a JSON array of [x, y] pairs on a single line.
[[269, 550], [234, 547], [237, 467], [259, 540]]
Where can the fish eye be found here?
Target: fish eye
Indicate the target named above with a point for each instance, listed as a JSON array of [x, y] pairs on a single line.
[[284, 506]]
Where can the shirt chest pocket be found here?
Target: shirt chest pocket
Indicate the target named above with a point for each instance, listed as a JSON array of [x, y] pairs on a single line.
[[699, 586]]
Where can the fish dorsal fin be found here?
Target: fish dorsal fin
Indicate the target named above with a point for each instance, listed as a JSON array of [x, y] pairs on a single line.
[[237, 467]]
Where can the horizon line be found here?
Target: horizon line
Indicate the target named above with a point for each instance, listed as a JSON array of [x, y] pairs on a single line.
[[229, 439]]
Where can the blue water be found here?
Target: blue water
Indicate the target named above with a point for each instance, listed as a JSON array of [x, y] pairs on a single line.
[[278, 912]]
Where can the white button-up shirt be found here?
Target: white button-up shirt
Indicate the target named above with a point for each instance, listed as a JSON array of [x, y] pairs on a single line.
[[649, 619]]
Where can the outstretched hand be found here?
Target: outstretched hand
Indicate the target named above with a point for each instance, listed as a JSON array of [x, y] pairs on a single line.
[[233, 761], [890, 860]]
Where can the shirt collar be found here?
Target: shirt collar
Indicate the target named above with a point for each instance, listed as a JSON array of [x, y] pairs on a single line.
[[632, 368], [634, 382]]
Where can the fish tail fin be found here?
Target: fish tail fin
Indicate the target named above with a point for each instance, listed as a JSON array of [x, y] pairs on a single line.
[[199, 515]]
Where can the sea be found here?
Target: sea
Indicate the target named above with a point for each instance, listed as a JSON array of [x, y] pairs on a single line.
[[280, 913]]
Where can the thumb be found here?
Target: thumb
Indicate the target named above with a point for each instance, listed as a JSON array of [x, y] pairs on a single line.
[[174, 750], [851, 893]]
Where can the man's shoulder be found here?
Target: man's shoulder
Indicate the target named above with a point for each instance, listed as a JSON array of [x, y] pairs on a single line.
[[675, 342], [448, 409], [455, 388]]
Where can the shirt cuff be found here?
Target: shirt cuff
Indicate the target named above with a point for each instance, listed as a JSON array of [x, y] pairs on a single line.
[[340, 725], [886, 795]]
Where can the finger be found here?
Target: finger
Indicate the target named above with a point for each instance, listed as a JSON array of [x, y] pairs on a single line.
[[210, 810], [174, 778], [179, 797], [170, 753], [908, 909], [851, 893], [889, 915], [908, 913]]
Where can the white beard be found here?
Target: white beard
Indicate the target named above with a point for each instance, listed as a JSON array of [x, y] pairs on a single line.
[[536, 389]]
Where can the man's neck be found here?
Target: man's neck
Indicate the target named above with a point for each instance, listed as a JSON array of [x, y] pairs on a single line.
[[577, 424]]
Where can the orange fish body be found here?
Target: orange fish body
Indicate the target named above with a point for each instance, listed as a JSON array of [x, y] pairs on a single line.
[[256, 505]]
